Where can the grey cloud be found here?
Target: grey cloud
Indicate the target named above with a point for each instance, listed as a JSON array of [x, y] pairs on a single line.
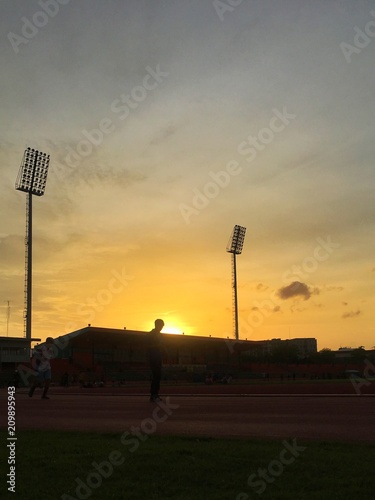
[[164, 134], [295, 289], [331, 288], [351, 314]]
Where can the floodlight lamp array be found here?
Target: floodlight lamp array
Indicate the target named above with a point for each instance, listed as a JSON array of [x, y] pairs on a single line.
[[32, 176], [237, 239]]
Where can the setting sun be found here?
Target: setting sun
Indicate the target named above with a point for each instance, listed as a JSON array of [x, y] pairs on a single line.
[[172, 329]]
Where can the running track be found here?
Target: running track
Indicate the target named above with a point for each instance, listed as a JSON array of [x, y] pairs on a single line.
[[324, 417]]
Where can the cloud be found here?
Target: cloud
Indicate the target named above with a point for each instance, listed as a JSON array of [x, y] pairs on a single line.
[[261, 287], [296, 289], [164, 134], [274, 309], [351, 314], [331, 288]]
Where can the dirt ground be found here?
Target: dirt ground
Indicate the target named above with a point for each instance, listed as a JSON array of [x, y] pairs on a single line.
[[306, 411]]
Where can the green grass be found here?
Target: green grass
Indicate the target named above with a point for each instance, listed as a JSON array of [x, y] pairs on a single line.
[[48, 463]]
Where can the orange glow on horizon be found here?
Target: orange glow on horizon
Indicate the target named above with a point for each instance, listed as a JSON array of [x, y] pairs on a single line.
[[172, 330]]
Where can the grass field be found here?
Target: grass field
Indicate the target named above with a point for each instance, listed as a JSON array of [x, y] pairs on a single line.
[[56, 465]]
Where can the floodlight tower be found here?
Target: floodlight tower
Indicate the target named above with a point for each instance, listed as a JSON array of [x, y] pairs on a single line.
[[235, 245], [32, 178]]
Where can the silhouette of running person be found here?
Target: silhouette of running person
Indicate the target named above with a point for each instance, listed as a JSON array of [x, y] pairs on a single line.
[[42, 356], [155, 345]]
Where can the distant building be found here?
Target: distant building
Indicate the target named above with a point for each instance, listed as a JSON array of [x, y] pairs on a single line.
[[343, 352], [14, 350], [305, 346], [116, 353]]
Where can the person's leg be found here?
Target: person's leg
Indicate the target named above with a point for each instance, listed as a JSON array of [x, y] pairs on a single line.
[[45, 390], [47, 381], [151, 378], [155, 378], [153, 388], [32, 389], [36, 382], [155, 382]]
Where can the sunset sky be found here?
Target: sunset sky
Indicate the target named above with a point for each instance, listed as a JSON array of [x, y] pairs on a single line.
[[167, 123]]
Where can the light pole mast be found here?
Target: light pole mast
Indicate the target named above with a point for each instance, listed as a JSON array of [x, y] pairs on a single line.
[[28, 264], [32, 178], [234, 247]]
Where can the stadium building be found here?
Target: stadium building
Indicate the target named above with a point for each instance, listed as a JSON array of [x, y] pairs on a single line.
[[94, 354]]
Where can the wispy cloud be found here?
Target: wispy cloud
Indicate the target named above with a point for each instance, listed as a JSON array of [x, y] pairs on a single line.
[[351, 314], [261, 287]]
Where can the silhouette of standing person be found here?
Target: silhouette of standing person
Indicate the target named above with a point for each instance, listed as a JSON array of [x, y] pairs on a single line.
[[155, 355]]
